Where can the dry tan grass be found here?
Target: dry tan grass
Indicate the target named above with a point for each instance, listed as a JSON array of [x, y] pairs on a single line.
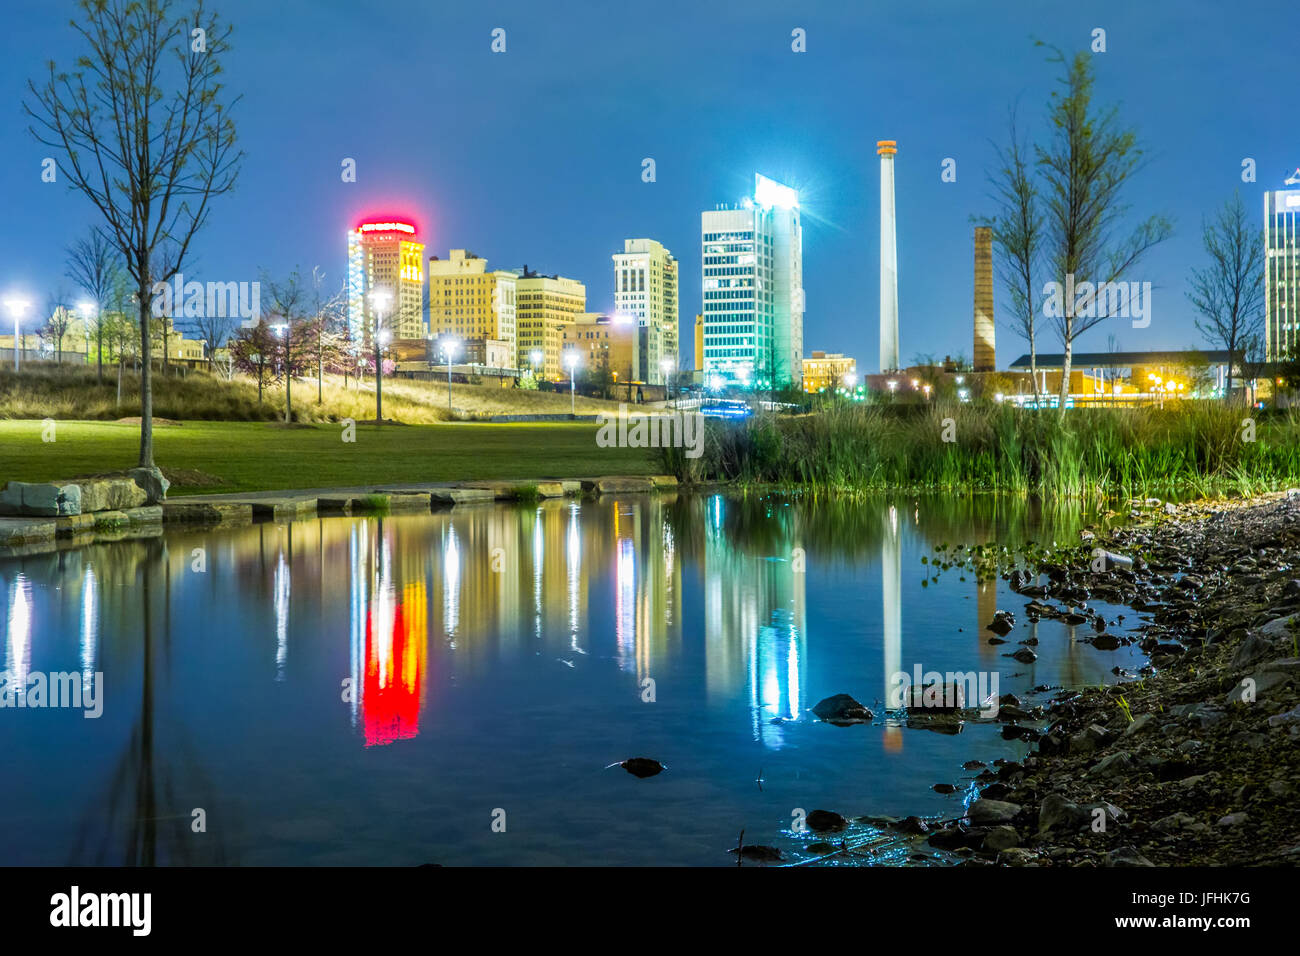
[[65, 392]]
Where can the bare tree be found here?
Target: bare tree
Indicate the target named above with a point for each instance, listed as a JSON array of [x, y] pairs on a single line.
[[326, 309], [288, 300], [1229, 292], [59, 323], [254, 351], [91, 263], [119, 323], [214, 328], [1017, 235], [1088, 161], [1254, 362], [144, 126]]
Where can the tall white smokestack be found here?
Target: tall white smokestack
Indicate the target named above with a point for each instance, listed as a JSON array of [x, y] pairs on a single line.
[[888, 259]]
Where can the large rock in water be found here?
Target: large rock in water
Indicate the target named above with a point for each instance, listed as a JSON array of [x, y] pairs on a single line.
[[940, 698], [826, 821], [842, 709], [46, 499]]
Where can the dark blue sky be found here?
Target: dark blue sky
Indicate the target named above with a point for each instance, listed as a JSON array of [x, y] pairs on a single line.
[[535, 155]]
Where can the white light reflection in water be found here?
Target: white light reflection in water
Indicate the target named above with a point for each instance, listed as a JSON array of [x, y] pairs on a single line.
[[18, 634], [625, 603], [669, 548], [281, 598], [89, 628], [357, 598], [451, 583], [383, 610], [573, 559], [891, 611], [539, 552]]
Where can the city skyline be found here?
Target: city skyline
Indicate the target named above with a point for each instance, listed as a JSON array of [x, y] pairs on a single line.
[[480, 191]]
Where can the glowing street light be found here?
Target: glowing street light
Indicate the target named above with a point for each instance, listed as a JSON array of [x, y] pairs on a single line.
[[380, 301], [16, 306], [571, 363], [536, 356], [926, 388], [449, 348], [666, 365]]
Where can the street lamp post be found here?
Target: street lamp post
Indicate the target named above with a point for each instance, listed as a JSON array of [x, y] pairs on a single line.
[[16, 307], [380, 299], [449, 347], [535, 357], [666, 364], [281, 331], [571, 362]]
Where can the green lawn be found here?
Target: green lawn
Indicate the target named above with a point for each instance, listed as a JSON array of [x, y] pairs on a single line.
[[255, 456]]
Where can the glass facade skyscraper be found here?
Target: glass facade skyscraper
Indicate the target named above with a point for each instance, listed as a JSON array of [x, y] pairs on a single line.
[[753, 289]]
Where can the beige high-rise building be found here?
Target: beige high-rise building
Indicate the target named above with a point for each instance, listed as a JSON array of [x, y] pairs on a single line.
[[985, 356], [699, 342], [469, 303], [543, 305], [645, 288], [384, 256]]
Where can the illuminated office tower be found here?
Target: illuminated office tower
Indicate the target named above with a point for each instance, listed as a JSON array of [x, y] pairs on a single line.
[[753, 289], [543, 306], [645, 288], [469, 303], [384, 255], [1282, 270]]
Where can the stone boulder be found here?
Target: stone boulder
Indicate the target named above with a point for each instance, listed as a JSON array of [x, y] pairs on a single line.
[[1057, 813], [110, 494], [992, 812], [826, 821], [45, 499], [942, 698], [842, 709], [153, 483]]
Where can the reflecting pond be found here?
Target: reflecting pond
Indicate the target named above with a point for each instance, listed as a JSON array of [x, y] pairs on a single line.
[[453, 688]]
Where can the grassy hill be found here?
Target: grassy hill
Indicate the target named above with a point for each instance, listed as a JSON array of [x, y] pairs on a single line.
[[71, 392]]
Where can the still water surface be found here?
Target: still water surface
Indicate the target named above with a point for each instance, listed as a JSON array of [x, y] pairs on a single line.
[[379, 690]]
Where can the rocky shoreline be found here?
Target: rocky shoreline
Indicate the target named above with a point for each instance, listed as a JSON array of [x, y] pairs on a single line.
[[1196, 759]]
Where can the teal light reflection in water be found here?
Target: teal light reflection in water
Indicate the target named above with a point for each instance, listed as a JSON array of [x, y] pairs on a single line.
[[369, 690]]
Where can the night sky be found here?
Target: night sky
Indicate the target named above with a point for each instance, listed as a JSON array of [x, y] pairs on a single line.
[[534, 156]]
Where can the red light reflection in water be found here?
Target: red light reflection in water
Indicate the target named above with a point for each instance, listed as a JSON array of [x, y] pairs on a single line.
[[393, 687]]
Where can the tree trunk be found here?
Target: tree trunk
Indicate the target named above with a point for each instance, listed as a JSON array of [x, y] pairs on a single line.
[[1033, 365], [146, 382], [1065, 371], [99, 351]]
